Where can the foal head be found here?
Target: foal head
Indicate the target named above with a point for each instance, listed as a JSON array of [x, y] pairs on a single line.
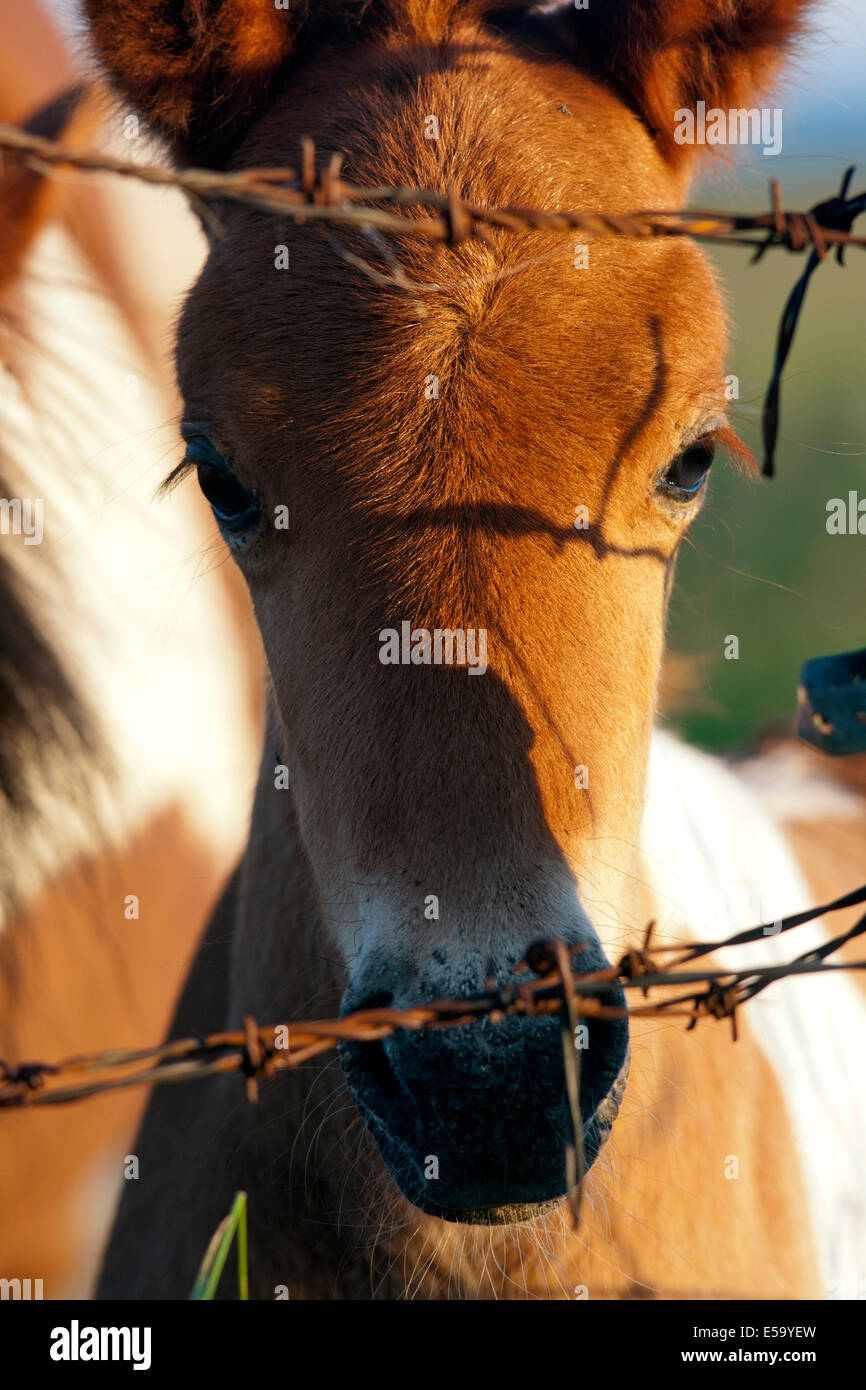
[[486, 480]]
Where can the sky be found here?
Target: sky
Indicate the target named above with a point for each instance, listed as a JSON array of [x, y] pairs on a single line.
[[823, 98]]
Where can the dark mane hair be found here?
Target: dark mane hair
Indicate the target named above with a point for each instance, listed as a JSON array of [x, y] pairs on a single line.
[[48, 735]]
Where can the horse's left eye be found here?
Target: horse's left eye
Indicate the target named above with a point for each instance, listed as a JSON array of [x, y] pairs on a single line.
[[687, 474]]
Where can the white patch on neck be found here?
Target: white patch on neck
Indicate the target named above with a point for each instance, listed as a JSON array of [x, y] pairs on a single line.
[[716, 863]]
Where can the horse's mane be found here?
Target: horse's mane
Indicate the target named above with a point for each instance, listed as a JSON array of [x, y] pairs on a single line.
[[48, 736], [48, 739], [43, 717]]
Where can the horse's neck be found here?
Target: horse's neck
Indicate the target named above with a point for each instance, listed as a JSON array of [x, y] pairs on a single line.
[[281, 967]]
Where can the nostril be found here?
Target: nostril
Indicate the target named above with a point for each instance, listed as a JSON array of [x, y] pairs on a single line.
[[369, 1072], [381, 999], [366, 1063]]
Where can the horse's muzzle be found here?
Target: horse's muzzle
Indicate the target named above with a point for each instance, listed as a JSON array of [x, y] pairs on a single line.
[[473, 1121]]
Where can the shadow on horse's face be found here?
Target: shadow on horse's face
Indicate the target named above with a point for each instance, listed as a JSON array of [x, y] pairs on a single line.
[[473, 1121], [485, 484]]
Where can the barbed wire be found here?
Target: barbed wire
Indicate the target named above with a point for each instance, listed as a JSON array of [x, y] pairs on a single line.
[[261, 1051], [322, 196], [311, 194]]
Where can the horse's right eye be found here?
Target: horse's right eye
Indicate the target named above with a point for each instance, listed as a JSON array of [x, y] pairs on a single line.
[[233, 505], [231, 502]]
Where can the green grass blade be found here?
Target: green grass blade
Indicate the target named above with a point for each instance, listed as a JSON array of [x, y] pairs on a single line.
[[211, 1268], [243, 1269]]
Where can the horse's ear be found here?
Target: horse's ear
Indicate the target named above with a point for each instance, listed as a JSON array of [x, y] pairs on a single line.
[[667, 55], [197, 70]]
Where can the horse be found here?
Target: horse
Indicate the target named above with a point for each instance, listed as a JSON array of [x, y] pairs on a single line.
[[501, 438], [109, 870]]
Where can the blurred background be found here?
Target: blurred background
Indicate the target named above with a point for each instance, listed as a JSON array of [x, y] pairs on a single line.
[[761, 564]]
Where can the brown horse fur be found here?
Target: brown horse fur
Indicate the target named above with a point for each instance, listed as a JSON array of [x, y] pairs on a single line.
[[557, 388]]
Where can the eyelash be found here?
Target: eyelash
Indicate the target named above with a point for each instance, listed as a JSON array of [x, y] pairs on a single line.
[[235, 508]]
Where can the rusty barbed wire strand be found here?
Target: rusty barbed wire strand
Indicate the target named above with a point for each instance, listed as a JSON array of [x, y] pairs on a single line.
[[256, 1052], [324, 197]]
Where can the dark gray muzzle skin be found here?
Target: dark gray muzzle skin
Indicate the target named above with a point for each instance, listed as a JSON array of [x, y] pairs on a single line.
[[473, 1121]]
